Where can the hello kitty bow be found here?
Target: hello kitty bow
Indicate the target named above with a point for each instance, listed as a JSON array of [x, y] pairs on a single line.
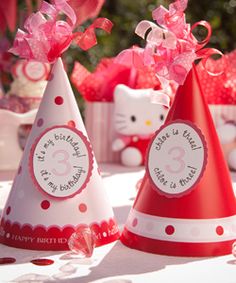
[[171, 47], [47, 36]]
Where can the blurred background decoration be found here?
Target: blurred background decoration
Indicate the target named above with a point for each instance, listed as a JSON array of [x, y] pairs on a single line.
[[125, 15]]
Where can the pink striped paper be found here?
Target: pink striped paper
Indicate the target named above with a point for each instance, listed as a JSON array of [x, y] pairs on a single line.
[[99, 125]]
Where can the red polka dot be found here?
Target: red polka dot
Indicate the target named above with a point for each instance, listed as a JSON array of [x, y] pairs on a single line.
[[45, 204], [169, 230], [135, 222], [40, 122], [8, 210], [71, 124], [59, 100], [83, 207], [19, 170], [219, 230]]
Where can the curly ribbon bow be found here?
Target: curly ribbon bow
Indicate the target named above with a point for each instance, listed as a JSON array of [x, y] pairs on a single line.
[[171, 47], [87, 39], [47, 37]]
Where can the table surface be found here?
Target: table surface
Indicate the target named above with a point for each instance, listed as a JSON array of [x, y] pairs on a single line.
[[113, 263]]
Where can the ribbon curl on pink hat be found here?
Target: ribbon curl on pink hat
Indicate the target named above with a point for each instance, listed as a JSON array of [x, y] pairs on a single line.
[[46, 37]]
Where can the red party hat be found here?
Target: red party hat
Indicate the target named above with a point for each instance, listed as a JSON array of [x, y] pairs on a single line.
[[186, 204]]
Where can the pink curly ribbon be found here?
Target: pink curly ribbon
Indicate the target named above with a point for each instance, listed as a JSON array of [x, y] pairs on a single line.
[[171, 47], [46, 37], [160, 97]]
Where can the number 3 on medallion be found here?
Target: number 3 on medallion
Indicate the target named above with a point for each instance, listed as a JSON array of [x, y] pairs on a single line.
[[177, 154], [62, 157]]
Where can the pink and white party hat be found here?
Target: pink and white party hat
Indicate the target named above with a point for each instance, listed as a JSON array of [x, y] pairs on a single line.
[[58, 188]]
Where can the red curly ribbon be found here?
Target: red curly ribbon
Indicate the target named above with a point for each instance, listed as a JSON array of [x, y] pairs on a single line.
[[87, 39]]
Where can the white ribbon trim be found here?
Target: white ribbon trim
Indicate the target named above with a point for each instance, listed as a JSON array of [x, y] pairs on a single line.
[[185, 230]]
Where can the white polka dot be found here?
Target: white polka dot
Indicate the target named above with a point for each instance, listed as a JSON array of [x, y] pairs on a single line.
[[233, 228], [104, 234], [195, 231], [8, 235]]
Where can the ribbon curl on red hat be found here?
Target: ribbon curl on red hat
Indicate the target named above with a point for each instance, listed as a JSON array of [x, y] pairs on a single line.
[[47, 37], [170, 47]]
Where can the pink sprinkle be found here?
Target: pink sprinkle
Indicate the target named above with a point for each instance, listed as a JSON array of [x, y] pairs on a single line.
[[59, 100]]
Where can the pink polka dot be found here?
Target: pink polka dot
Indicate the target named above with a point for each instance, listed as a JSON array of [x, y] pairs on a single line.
[[45, 204], [19, 170], [59, 100], [40, 122], [219, 230], [83, 207], [8, 210], [169, 230], [135, 222], [71, 124]]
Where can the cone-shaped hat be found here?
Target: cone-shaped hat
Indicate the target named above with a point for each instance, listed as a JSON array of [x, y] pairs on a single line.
[[58, 187], [186, 205]]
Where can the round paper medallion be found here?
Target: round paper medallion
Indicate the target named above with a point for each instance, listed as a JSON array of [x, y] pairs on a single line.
[[61, 161], [177, 158], [35, 71]]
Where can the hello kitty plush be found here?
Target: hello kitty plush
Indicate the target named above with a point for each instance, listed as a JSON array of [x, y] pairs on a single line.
[[136, 119], [227, 136]]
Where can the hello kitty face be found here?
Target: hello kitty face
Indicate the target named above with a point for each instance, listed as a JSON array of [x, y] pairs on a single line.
[[134, 112]]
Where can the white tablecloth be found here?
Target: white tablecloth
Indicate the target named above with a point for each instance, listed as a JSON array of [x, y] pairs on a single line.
[[113, 263]]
